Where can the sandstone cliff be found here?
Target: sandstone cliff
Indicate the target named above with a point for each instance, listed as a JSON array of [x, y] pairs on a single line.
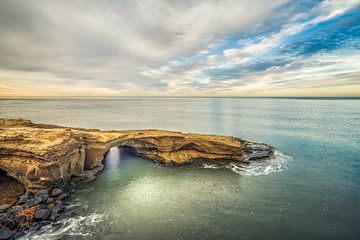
[[41, 156]]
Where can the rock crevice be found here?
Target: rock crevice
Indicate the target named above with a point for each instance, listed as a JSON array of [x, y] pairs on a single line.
[[42, 156]]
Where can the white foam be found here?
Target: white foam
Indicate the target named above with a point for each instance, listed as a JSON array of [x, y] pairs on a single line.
[[257, 168], [211, 166], [73, 226], [265, 167]]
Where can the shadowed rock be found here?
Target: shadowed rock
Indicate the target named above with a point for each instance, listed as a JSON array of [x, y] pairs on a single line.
[[41, 156]]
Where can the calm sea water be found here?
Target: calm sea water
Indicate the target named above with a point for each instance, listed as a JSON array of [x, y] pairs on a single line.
[[310, 191]]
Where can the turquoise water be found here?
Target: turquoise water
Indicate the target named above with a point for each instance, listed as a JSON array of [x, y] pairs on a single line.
[[310, 191]]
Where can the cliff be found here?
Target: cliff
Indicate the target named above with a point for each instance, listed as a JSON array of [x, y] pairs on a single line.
[[42, 156]]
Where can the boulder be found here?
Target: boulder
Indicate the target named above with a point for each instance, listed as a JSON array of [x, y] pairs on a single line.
[[42, 214], [11, 224], [41, 196], [23, 199], [61, 197], [5, 233], [21, 219], [50, 200], [4, 207], [19, 234], [41, 206], [14, 210], [29, 203], [56, 192]]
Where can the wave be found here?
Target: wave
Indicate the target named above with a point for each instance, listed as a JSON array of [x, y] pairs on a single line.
[[257, 168], [72, 226]]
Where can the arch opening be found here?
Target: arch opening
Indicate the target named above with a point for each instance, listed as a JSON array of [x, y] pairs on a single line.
[[113, 157], [10, 188]]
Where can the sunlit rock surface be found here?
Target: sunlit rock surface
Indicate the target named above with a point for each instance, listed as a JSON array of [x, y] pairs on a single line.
[[41, 156]]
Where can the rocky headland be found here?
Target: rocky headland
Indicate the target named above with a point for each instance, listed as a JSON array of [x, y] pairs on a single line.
[[46, 159]]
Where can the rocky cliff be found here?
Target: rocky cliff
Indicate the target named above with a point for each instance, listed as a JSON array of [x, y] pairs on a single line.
[[42, 156]]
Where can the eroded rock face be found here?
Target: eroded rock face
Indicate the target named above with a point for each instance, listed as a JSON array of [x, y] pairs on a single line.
[[41, 156]]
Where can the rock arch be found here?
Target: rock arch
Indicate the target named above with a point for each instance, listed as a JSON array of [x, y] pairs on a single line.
[[41, 156]]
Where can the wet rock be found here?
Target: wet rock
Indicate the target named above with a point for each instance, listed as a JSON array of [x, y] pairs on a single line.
[[23, 199], [56, 192], [29, 203], [42, 214], [34, 227], [62, 197], [19, 235], [58, 206], [11, 224], [41, 196], [14, 210], [4, 207], [56, 210], [21, 219], [50, 200], [3, 217], [41, 206], [42, 192], [5, 233]]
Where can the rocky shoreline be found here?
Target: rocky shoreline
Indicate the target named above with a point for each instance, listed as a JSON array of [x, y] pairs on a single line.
[[30, 212], [47, 159]]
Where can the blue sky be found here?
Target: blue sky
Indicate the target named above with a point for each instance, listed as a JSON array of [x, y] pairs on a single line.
[[186, 48]]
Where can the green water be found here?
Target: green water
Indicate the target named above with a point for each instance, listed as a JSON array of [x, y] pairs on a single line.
[[310, 191]]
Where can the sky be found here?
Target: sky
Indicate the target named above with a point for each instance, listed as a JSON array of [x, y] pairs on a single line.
[[180, 48]]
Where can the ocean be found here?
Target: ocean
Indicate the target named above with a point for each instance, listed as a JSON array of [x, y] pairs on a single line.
[[311, 190]]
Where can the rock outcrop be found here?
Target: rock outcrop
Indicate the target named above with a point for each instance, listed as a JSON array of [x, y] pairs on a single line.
[[41, 156]]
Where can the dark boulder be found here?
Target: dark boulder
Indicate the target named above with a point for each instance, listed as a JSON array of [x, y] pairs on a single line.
[[14, 210], [11, 224], [50, 200], [5, 233], [4, 207], [41, 206], [41, 196], [23, 199], [42, 214], [21, 219], [56, 192], [19, 235], [29, 203], [62, 197]]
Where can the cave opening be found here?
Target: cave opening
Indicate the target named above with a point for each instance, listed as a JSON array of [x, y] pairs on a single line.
[[10, 188]]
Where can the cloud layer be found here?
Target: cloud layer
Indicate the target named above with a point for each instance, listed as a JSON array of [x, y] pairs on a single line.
[[222, 48]]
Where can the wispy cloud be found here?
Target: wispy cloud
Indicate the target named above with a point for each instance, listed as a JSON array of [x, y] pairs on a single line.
[[150, 47]]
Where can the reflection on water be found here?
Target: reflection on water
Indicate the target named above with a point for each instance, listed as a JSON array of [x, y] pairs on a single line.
[[312, 195]]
